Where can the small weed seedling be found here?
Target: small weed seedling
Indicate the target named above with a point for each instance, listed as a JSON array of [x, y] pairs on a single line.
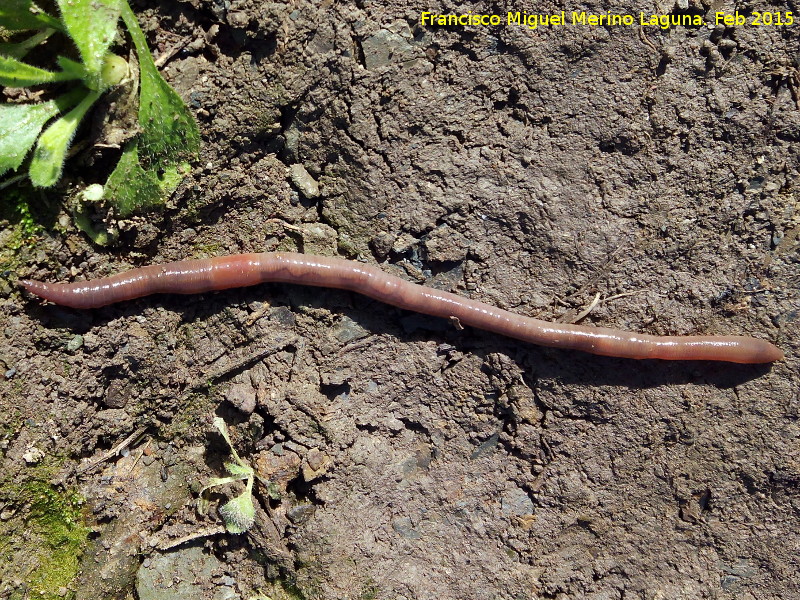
[[153, 161], [239, 514]]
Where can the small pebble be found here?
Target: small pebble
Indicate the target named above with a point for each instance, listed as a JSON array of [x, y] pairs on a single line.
[[303, 181], [75, 343]]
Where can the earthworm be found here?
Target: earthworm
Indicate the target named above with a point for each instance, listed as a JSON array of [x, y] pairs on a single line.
[[196, 276]]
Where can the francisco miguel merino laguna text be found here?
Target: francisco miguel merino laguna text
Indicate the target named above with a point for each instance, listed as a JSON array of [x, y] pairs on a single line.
[[532, 21]]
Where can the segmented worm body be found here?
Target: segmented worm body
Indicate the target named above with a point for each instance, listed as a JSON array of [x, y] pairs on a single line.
[[196, 276]]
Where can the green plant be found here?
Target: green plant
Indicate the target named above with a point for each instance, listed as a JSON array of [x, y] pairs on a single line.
[[17, 213], [43, 536], [239, 513], [155, 159]]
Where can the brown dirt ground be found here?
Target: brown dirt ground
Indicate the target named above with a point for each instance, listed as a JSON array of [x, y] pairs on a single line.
[[528, 169]]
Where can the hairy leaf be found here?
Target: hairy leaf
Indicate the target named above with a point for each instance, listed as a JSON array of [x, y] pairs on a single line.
[[16, 15], [239, 514], [14, 73], [239, 470], [153, 164], [92, 25], [169, 133], [51, 150], [20, 125], [130, 188], [20, 49], [71, 67]]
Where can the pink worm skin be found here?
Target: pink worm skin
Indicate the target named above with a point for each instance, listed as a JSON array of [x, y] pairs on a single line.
[[196, 276]]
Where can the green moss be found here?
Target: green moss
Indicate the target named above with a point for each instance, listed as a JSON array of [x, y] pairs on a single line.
[[10, 421], [208, 249], [15, 209], [46, 549], [370, 592]]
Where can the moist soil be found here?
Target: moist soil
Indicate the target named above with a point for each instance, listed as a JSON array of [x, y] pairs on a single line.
[[649, 174]]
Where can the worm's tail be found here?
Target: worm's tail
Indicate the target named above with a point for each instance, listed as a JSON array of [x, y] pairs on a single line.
[[58, 293]]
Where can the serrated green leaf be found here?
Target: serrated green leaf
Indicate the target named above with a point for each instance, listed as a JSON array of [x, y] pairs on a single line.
[[92, 25], [20, 125], [51, 149], [16, 15], [238, 470], [154, 164], [169, 132], [130, 188], [239, 514], [15, 73], [18, 50]]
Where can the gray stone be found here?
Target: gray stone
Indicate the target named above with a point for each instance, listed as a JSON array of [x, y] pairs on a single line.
[[516, 502], [303, 181], [185, 574], [385, 48]]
